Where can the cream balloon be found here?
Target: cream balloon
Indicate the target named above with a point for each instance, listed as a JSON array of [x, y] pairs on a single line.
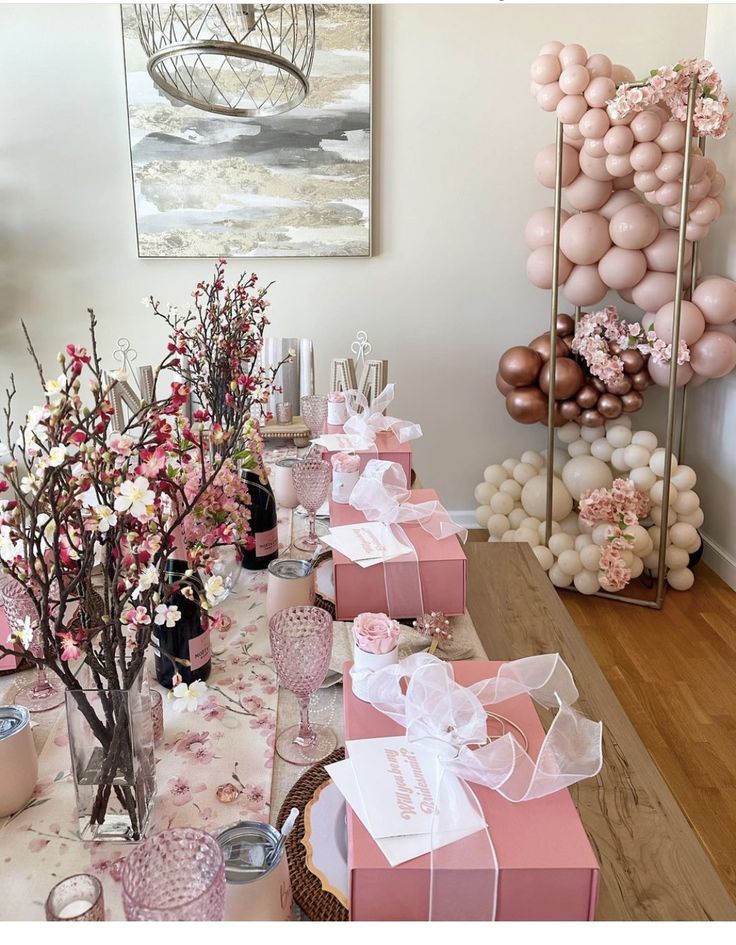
[[528, 535], [586, 472], [516, 516], [681, 579], [495, 474], [601, 449], [482, 514], [524, 472], [511, 487], [533, 458], [590, 556], [569, 562], [642, 477], [645, 438], [498, 525], [534, 498], [637, 456], [619, 436], [586, 582], [501, 503], [544, 556], [684, 536], [560, 542], [558, 577], [484, 491], [684, 478], [686, 502], [657, 461]]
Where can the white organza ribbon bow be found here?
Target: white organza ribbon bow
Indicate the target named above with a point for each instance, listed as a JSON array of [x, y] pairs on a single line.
[[381, 495], [367, 420], [450, 720]]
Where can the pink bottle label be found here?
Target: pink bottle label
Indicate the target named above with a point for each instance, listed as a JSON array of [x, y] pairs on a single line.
[[200, 650], [267, 542]]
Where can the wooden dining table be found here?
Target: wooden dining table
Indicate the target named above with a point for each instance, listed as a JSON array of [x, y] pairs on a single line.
[[653, 866]]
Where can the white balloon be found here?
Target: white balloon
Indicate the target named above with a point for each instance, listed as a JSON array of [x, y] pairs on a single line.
[[602, 533], [579, 448], [637, 566], [684, 478], [560, 542], [590, 433], [684, 536], [534, 498], [651, 562], [501, 503], [645, 438], [640, 538], [656, 493], [601, 448], [676, 558], [586, 472], [510, 535], [681, 580], [568, 433], [655, 534], [544, 556], [569, 562], [533, 458], [516, 517], [695, 518], [484, 491], [587, 582], [636, 456], [569, 524], [529, 535], [523, 472], [622, 421], [687, 502], [590, 557], [510, 465], [531, 523], [497, 525], [558, 576], [655, 514], [542, 530], [618, 460], [495, 474], [582, 541], [619, 436], [656, 463], [511, 487], [482, 514], [560, 458], [643, 478]]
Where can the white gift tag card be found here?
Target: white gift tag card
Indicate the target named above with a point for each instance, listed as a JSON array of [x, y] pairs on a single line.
[[366, 544], [344, 442]]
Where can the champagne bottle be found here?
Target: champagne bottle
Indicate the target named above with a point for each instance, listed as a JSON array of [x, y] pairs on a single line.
[[183, 649], [263, 524]]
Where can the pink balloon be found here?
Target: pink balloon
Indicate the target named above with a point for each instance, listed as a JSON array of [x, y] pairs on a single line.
[[672, 136], [539, 230], [553, 48], [574, 80], [646, 181], [728, 329], [584, 238], [587, 194], [634, 227], [626, 295], [584, 286], [671, 216], [646, 125], [706, 212], [645, 156], [654, 290], [697, 191], [714, 355], [696, 231], [594, 167], [617, 201], [698, 168], [716, 299], [669, 195], [619, 140], [571, 109], [624, 183], [594, 147], [599, 65], [618, 165], [717, 184], [545, 68], [544, 165], [626, 120], [661, 255], [573, 133], [573, 55], [599, 91], [670, 167], [594, 123], [692, 323], [621, 74], [539, 267], [659, 372], [550, 96], [622, 268]]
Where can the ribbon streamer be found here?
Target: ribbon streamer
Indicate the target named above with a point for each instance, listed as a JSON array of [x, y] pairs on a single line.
[[381, 495], [367, 420]]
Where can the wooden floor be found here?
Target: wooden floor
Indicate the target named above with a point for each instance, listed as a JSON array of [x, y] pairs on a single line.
[[674, 672]]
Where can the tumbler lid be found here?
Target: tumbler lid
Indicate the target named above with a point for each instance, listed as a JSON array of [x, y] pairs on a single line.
[[249, 850], [290, 567], [13, 718]]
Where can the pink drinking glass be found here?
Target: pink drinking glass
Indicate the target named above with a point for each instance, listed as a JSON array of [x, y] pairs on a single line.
[[175, 876], [301, 646], [41, 694], [314, 413], [312, 478]]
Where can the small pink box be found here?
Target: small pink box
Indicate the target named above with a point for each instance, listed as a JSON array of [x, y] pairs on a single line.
[[547, 870], [7, 661], [387, 447], [442, 570]]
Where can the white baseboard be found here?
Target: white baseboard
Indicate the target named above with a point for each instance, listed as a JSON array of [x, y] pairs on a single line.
[[720, 560], [465, 517]]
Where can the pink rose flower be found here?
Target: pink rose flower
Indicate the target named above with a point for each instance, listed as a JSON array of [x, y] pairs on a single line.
[[336, 397], [346, 462], [375, 633]]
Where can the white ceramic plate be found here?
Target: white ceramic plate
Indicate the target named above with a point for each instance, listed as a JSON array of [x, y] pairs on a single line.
[[326, 840]]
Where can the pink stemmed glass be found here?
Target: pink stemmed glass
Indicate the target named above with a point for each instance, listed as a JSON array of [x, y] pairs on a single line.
[[312, 478], [41, 694], [175, 876], [314, 413], [301, 646]]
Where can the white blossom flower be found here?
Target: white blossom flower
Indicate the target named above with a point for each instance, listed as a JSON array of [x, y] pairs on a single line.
[[29, 484], [57, 455], [106, 519], [23, 634], [215, 590], [187, 698], [149, 576], [167, 615], [135, 498], [55, 388], [9, 550]]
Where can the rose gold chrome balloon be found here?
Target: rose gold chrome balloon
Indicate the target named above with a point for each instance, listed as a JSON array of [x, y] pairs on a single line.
[[569, 378], [587, 397], [633, 362], [632, 401], [519, 366], [610, 406], [526, 404], [592, 418]]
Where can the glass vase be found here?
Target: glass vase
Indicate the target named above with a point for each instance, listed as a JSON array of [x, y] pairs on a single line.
[[113, 764]]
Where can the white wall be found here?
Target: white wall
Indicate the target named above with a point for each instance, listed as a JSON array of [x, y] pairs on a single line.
[[711, 444], [455, 137]]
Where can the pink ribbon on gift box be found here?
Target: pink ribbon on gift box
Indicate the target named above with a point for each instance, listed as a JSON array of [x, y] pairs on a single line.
[[368, 420], [450, 721], [381, 495]]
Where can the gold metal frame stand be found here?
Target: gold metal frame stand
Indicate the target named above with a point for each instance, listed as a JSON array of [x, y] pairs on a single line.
[[661, 585]]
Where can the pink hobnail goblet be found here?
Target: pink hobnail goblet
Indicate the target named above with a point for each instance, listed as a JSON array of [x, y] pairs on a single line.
[[312, 477], [301, 646], [175, 876], [314, 413], [41, 694]]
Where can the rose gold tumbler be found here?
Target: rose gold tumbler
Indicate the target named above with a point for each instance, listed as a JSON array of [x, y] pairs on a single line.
[[18, 759], [256, 873], [290, 584]]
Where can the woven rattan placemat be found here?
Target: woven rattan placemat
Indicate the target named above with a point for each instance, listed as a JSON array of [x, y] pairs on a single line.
[[317, 905]]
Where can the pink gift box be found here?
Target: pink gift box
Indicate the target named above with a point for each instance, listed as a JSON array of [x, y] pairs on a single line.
[[442, 570], [11, 661], [547, 870], [387, 447]]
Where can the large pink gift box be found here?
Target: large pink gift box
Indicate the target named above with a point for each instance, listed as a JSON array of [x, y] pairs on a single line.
[[546, 867], [388, 447], [442, 571]]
